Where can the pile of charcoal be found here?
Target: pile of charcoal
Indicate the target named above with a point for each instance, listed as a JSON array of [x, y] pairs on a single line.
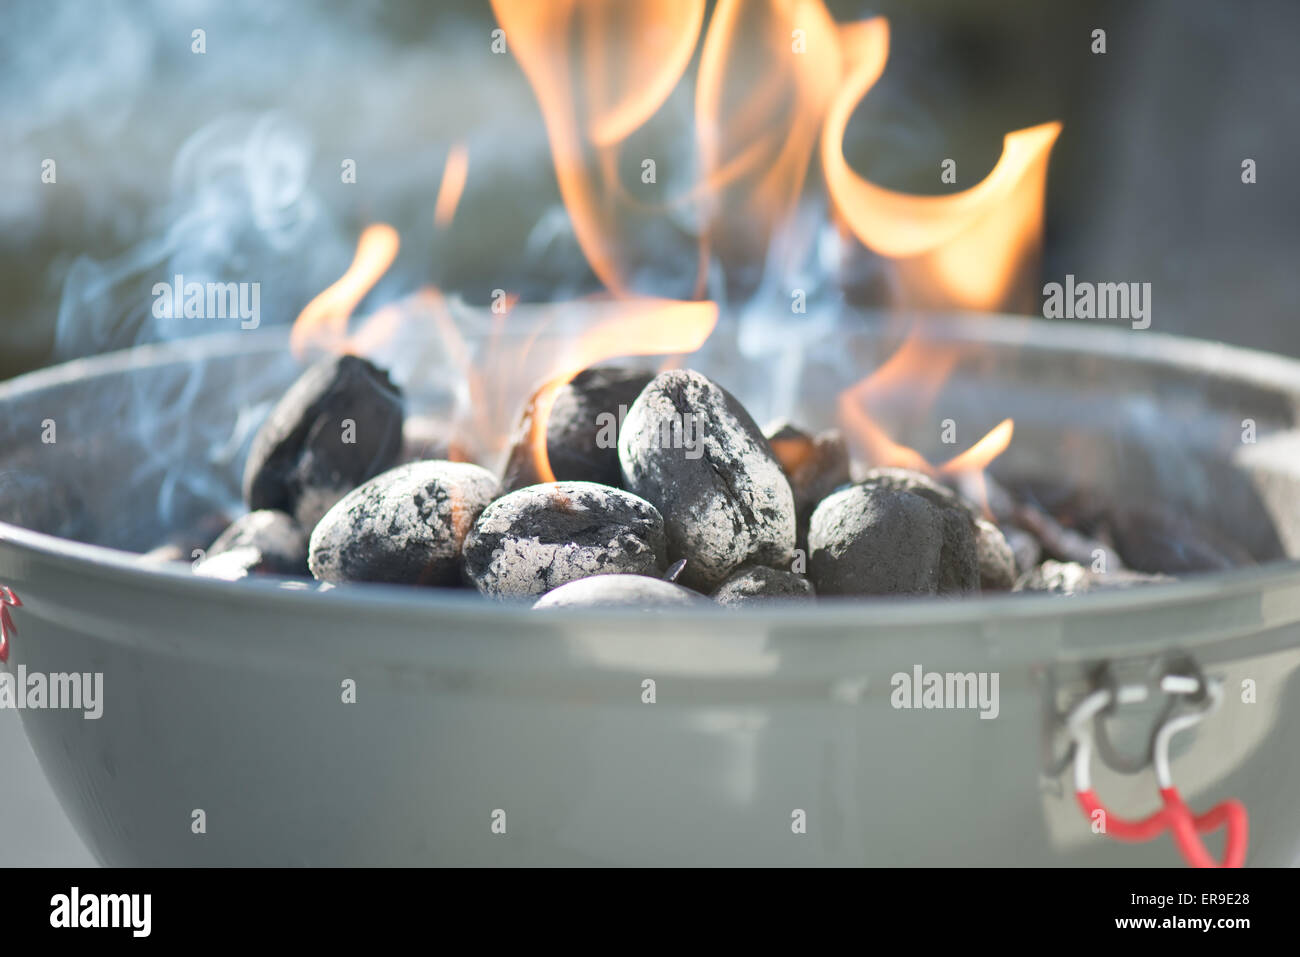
[[666, 493]]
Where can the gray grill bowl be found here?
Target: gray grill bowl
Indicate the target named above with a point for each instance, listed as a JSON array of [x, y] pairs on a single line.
[[226, 697]]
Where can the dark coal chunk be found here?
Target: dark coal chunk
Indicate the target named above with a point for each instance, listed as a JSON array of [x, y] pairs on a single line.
[[406, 526], [338, 425], [758, 584], [875, 540], [1071, 578], [816, 465], [582, 430], [1157, 539], [279, 538], [996, 559], [691, 449], [543, 536], [636, 592], [918, 483]]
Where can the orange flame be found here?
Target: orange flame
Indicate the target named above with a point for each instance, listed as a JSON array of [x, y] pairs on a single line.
[[967, 249], [759, 139], [618, 97], [324, 320], [454, 174], [643, 327]]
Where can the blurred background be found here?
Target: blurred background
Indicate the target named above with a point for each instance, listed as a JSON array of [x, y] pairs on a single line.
[[226, 163]]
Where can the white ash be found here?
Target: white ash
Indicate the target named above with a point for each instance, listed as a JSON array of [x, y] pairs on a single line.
[[543, 536], [1071, 578], [406, 526], [997, 562], [280, 538], [637, 592], [233, 565], [759, 584], [873, 540], [338, 425], [723, 495]]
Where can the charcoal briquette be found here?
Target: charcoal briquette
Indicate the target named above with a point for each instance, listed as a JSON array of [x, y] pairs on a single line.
[[338, 425], [278, 536], [997, 561], [637, 592], [582, 430], [406, 526], [816, 465], [880, 540], [543, 536], [688, 447], [759, 584]]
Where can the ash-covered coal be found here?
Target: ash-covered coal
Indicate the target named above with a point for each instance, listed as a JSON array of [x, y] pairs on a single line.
[[997, 562], [276, 535], [338, 425], [235, 563], [758, 584], [688, 447], [581, 432], [891, 537], [406, 526], [816, 465], [543, 536], [1071, 578], [637, 592]]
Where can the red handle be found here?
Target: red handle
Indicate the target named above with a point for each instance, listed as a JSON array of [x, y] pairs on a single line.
[[1184, 826]]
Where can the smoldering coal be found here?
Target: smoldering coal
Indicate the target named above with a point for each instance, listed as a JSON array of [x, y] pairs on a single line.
[[581, 431], [543, 536], [724, 498], [276, 535], [406, 526], [758, 584], [338, 425]]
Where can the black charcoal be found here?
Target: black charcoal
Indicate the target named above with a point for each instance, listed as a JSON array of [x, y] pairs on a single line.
[[759, 584], [636, 592], [543, 536], [338, 425], [876, 540], [406, 526], [996, 559], [277, 535], [691, 449], [816, 465], [582, 430]]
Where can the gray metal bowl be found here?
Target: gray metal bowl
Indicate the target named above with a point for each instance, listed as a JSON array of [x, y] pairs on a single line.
[[226, 696]]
